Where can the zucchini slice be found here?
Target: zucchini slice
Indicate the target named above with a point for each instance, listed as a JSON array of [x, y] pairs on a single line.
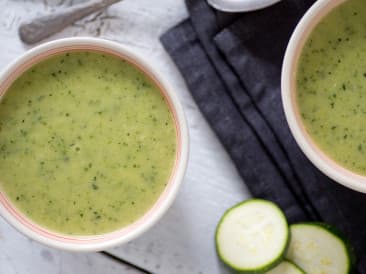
[[252, 237], [317, 249], [286, 267]]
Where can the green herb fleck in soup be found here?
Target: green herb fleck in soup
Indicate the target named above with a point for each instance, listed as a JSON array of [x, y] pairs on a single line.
[[331, 85], [87, 143]]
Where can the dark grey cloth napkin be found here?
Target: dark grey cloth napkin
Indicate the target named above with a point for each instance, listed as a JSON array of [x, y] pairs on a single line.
[[232, 64]]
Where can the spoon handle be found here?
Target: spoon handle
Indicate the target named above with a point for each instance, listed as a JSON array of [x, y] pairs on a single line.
[[43, 27]]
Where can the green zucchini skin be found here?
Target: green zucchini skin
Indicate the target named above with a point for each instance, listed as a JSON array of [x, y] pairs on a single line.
[[271, 264], [351, 259], [295, 265]]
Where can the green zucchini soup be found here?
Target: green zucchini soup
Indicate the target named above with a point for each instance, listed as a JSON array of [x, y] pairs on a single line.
[[331, 85], [87, 143]]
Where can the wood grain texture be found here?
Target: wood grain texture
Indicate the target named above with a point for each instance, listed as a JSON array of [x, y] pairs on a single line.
[[19, 255], [183, 241]]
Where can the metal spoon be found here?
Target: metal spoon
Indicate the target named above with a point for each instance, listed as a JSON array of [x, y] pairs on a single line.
[[43, 27]]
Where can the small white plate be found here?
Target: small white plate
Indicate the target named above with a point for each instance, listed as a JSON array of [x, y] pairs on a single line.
[[241, 5]]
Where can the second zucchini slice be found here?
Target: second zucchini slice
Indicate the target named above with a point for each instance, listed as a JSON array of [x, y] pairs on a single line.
[[317, 249]]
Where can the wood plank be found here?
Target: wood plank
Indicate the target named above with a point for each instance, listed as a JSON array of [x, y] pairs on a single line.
[[19, 255]]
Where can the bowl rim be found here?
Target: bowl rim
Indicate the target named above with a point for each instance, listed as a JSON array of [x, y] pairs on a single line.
[[241, 5], [322, 161], [103, 241]]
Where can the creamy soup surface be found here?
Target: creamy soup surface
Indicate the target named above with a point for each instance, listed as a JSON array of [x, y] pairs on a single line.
[[87, 143], [331, 85]]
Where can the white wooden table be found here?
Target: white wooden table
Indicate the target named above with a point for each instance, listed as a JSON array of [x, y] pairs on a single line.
[[183, 241]]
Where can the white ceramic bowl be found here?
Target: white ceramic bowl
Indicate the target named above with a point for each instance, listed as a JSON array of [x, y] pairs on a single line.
[[328, 166], [241, 5], [99, 242]]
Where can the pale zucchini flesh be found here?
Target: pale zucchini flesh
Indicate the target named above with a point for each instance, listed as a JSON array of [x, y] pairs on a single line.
[[286, 267], [317, 250], [252, 236]]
